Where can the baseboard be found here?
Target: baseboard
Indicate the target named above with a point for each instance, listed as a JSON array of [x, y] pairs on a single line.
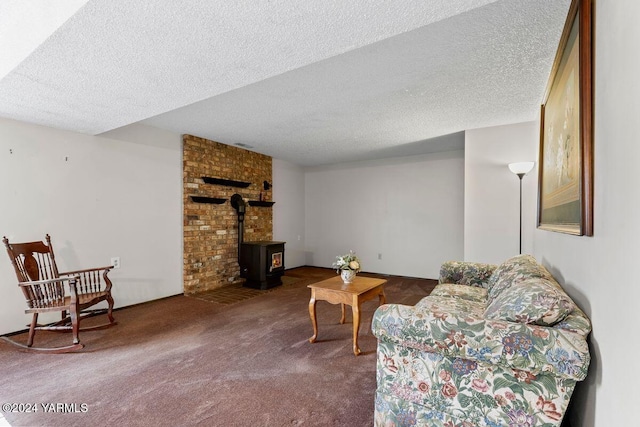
[[365, 272]]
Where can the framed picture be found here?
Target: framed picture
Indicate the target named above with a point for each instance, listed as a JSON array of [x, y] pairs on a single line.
[[565, 192]]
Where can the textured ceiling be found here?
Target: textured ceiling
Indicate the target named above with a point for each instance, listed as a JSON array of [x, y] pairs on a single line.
[[308, 82]]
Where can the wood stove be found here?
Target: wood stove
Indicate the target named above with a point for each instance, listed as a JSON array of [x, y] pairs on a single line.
[[262, 264]]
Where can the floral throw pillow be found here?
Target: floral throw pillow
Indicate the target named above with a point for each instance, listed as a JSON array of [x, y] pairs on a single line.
[[515, 270], [538, 301]]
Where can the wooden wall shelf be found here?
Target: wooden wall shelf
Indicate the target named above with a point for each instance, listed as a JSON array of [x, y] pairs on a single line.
[[228, 182], [260, 203], [210, 200]]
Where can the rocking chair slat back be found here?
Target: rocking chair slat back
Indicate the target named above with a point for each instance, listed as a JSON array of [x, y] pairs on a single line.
[[33, 261], [46, 289]]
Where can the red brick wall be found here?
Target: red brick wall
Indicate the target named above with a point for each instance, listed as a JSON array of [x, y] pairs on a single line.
[[211, 231]]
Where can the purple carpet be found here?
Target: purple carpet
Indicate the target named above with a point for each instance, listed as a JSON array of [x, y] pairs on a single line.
[[185, 361]]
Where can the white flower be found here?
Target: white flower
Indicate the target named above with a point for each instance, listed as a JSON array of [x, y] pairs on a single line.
[[347, 262]]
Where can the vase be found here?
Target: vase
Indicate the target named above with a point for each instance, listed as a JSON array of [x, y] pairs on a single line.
[[348, 275]]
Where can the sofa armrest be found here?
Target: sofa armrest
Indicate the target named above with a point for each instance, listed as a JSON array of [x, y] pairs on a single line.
[[454, 333], [466, 273]]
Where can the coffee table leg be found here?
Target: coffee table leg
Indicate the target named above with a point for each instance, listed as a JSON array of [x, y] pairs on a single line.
[[343, 318], [312, 314], [356, 326], [383, 298]]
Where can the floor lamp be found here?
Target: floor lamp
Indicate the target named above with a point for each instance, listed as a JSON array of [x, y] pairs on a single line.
[[521, 169]]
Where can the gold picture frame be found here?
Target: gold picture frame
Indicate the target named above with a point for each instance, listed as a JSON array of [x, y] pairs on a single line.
[[565, 184]]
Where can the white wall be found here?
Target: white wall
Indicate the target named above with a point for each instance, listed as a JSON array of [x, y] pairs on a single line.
[[109, 198], [599, 271], [289, 211], [492, 192], [409, 209]]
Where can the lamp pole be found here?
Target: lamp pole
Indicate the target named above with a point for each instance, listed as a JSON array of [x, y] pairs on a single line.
[[520, 176], [521, 169]]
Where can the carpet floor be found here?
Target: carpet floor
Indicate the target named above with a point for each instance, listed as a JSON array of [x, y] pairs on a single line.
[[232, 294], [189, 361]]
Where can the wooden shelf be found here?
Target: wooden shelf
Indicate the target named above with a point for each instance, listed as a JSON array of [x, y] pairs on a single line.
[[260, 203], [228, 182], [210, 200]]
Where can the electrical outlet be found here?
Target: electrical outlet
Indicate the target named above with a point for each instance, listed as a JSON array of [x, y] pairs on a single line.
[[115, 262]]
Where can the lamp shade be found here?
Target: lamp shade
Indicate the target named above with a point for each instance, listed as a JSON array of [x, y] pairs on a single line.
[[521, 167]]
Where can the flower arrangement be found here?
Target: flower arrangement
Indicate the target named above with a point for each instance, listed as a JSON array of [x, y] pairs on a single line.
[[347, 262]]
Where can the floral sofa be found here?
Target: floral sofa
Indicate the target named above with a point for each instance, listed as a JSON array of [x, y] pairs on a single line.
[[490, 346]]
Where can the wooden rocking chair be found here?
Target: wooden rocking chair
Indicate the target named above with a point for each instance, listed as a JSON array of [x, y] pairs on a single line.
[[47, 290]]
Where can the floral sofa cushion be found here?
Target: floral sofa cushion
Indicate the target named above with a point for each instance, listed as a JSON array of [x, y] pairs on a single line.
[[576, 322], [535, 300], [452, 290], [442, 306], [514, 270]]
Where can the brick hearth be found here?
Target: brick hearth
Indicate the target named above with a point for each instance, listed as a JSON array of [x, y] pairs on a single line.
[[210, 230]]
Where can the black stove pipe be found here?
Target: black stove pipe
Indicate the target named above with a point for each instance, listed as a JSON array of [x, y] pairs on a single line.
[[238, 204]]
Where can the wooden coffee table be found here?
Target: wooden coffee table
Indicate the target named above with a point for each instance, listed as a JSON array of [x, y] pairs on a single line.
[[354, 294]]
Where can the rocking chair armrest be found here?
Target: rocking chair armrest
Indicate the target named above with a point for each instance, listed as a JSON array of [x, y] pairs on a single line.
[[86, 270], [44, 282], [89, 281], [50, 295]]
